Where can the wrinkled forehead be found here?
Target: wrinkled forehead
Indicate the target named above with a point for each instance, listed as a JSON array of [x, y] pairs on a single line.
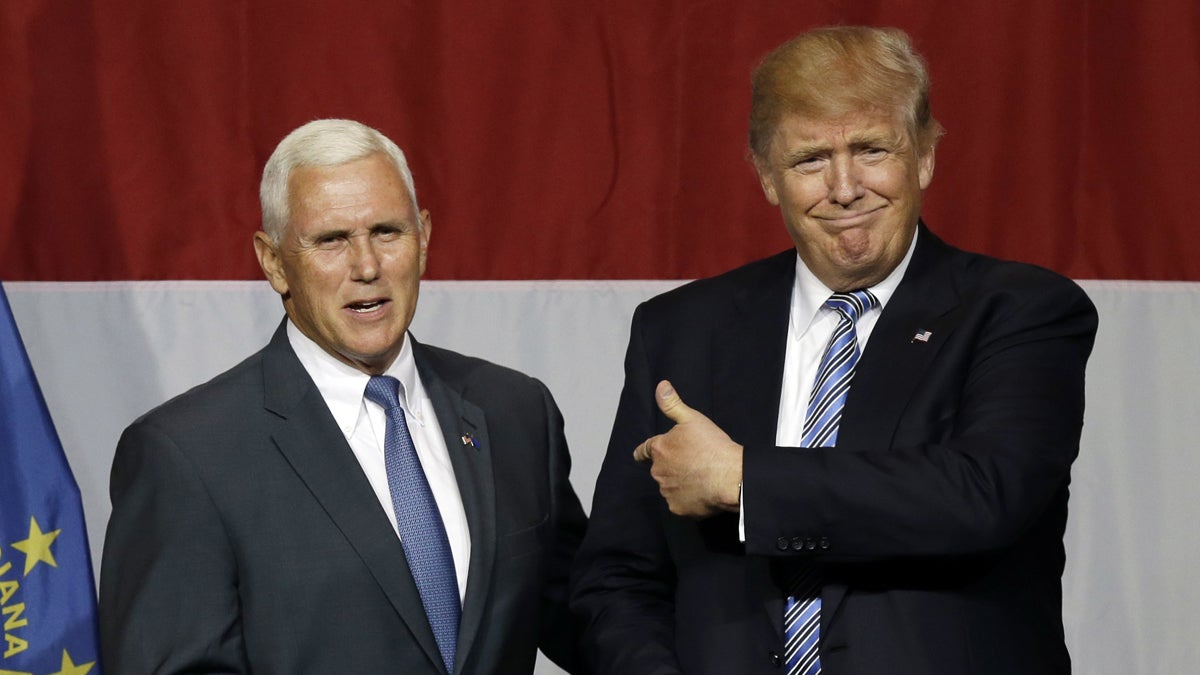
[[853, 127], [369, 185]]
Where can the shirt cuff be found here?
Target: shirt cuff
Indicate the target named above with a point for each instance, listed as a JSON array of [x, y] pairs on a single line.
[[741, 516]]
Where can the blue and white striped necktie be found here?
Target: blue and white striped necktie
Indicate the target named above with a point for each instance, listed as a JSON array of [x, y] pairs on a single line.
[[802, 611]]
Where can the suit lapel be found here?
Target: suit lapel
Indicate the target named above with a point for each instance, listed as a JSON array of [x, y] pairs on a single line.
[[747, 381], [465, 429], [314, 446], [748, 355], [924, 304], [895, 358]]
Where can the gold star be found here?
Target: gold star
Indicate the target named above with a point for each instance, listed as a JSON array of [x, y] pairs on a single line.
[[69, 668], [37, 547]]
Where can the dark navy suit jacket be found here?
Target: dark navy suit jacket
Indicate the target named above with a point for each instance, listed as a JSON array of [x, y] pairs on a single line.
[[937, 520]]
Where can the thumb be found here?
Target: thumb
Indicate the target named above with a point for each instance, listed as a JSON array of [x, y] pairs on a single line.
[[671, 405]]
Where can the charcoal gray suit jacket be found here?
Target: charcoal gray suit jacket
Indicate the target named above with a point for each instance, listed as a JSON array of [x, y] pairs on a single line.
[[245, 537]]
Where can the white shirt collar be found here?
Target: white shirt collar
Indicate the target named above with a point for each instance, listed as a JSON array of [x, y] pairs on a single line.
[[809, 294], [342, 385]]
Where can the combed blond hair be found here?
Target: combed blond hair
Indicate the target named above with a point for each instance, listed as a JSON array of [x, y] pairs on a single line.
[[829, 72]]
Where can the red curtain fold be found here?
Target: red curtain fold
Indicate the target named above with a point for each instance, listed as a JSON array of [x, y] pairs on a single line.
[[564, 140]]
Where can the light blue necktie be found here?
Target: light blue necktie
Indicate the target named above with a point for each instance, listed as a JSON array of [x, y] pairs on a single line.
[[421, 530], [802, 612]]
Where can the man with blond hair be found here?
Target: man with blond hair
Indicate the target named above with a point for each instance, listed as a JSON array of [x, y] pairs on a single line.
[[347, 500], [851, 457]]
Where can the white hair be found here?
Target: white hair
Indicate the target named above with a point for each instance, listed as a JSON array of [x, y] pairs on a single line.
[[320, 143]]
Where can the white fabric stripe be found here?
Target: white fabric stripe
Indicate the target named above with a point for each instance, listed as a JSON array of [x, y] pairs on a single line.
[[106, 352], [805, 630]]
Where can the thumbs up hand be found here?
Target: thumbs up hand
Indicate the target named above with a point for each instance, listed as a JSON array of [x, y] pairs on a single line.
[[697, 466]]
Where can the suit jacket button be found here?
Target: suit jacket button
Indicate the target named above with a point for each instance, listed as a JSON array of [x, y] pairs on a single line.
[[781, 543], [810, 544], [824, 544], [797, 543], [776, 660]]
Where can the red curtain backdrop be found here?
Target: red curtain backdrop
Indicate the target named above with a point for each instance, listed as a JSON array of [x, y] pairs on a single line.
[[577, 140]]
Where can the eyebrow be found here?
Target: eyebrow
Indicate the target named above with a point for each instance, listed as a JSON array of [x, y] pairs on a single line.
[[805, 151], [331, 232], [855, 140], [373, 227], [876, 137], [389, 224]]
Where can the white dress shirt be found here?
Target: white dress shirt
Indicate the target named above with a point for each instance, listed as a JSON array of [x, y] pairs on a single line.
[[363, 423], [810, 328]]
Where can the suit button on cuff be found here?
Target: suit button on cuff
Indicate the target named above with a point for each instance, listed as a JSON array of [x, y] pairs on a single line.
[[797, 543], [781, 543], [824, 544]]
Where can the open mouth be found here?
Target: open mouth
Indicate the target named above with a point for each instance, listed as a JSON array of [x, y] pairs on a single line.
[[365, 306]]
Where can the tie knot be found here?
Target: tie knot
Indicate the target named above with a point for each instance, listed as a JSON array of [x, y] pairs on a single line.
[[384, 390], [852, 304]]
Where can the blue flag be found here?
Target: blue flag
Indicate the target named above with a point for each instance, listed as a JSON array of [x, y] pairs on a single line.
[[47, 595]]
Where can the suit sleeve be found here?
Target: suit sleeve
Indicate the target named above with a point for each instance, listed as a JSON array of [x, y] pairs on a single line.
[[981, 454], [168, 586], [559, 632], [624, 580]]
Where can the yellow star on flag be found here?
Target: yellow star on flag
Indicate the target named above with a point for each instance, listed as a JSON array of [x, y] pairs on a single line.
[[37, 547], [69, 667]]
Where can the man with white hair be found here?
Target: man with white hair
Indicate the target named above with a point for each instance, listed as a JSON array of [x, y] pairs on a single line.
[[348, 499]]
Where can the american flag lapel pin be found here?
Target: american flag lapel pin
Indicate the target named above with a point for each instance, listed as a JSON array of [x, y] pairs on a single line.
[[922, 336], [468, 439]]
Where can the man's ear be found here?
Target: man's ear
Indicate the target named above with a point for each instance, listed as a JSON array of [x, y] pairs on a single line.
[[270, 262], [766, 181], [925, 166], [426, 231]]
